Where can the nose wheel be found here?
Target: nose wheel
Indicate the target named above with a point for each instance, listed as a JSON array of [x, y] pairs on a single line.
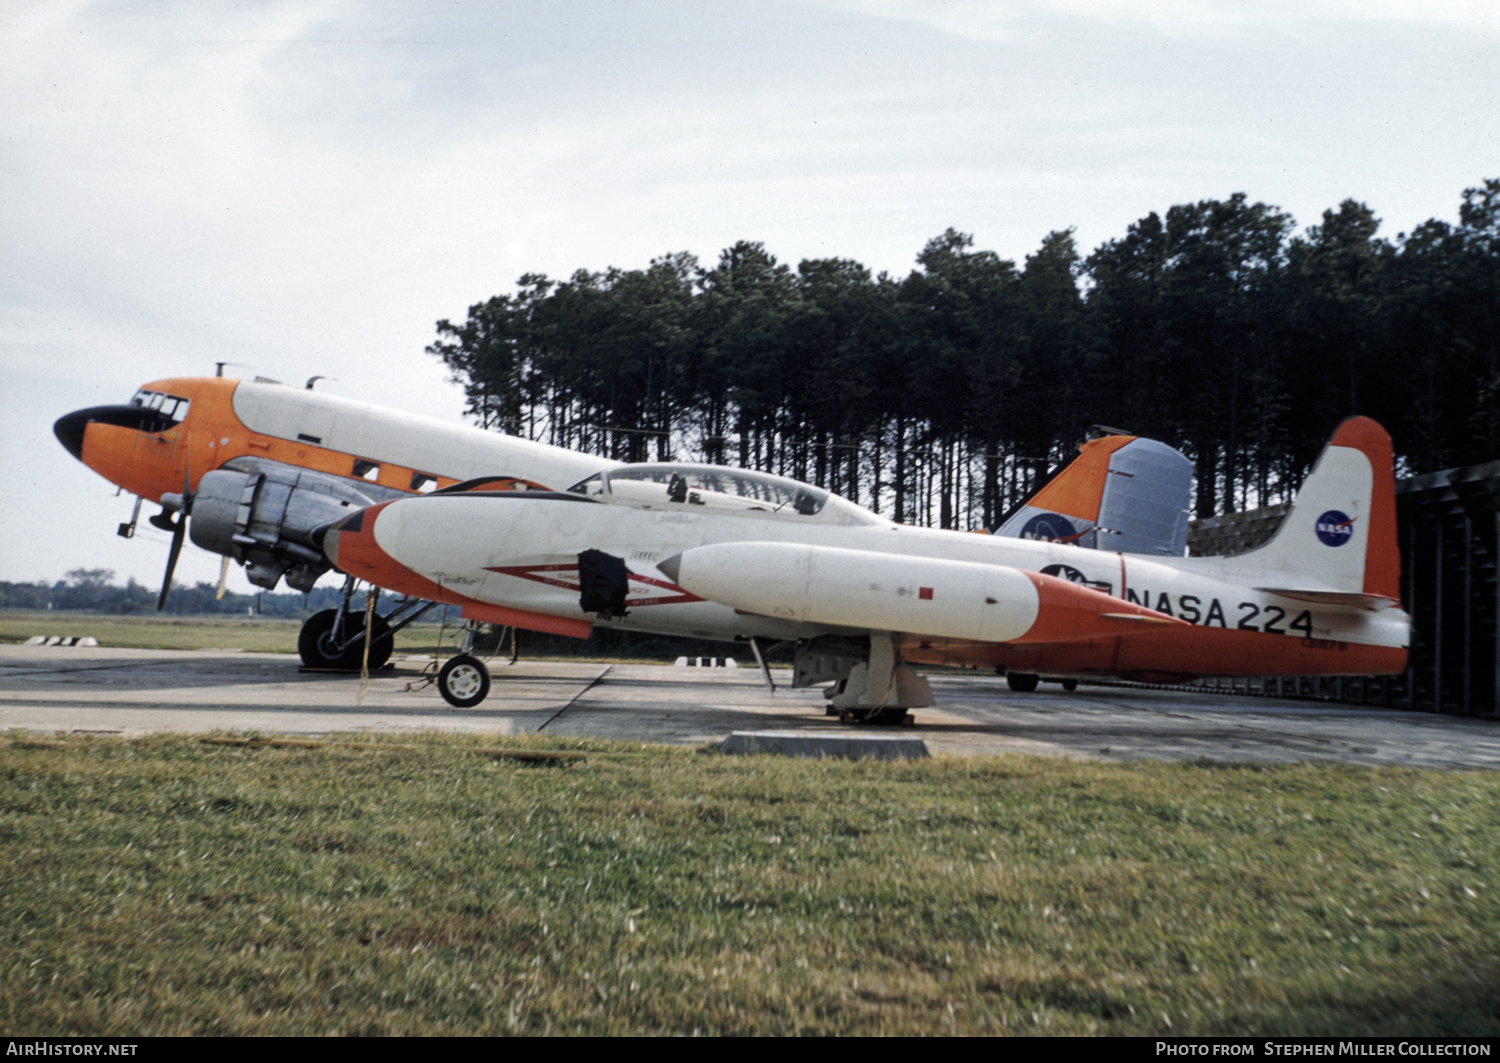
[[464, 681]]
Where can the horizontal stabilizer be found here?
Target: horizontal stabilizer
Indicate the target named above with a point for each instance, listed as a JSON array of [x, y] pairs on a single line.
[[1320, 597]]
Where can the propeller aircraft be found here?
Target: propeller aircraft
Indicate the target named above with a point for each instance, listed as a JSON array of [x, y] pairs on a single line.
[[253, 470]]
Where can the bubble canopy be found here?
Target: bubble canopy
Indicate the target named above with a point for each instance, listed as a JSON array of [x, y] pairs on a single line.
[[719, 489]]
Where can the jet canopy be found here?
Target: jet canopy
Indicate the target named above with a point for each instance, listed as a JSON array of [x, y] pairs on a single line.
[[719, 490]]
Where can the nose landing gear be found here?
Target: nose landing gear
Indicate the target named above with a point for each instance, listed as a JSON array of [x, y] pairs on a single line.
[[463, 681]]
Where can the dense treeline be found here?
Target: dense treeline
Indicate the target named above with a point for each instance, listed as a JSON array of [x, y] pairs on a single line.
[[94, 590], [940, 397]]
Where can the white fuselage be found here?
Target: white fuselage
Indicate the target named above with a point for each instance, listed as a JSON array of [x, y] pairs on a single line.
[[522, 552]]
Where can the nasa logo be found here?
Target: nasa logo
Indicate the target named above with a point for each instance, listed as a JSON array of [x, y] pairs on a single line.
[[1067, 572], [1049, 527], [1072, 575], [1335, 528]]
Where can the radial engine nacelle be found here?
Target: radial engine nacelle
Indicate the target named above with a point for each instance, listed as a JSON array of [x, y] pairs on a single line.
[[265, 514], [892, 592]]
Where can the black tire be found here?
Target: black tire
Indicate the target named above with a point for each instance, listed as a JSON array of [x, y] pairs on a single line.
[[315, 647], [316, 650], [464, 681], [874, 717], [1020, 682], [1069, 685]]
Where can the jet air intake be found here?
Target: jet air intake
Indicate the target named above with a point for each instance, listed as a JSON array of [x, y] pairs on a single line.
[[885, 592]]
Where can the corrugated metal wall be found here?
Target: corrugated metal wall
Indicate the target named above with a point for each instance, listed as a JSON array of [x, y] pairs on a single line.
[[1449, 525]]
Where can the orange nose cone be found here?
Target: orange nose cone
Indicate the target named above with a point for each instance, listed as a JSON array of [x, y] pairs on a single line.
[[351, 546], [1068, 611]]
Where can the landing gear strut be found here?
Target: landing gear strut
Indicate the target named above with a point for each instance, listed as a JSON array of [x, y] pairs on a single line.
[[881, 688], [334, 639]]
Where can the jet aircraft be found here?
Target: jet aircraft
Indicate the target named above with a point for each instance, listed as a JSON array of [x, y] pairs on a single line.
[[713, 552]]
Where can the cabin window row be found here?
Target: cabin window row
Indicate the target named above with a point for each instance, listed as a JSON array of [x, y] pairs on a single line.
[[421, 482]]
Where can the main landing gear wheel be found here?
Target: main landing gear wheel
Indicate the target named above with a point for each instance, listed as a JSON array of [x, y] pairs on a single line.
[[1069, 685], [318, 649], [1021, 683], [873, 717], [464, 681]]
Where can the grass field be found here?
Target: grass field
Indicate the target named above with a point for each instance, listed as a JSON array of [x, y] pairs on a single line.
[[156, 632], [168, 886]]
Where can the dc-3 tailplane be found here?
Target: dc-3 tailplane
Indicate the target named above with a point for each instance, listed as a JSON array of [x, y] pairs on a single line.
[[705, 551]]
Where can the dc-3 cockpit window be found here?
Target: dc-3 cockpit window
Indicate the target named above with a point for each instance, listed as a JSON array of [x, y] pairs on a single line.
[[171, 407], [716, 489]]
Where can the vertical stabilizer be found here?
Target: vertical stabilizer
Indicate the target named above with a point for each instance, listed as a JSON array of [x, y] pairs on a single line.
[[1144, 508], [1121, 493], [1340, 534]]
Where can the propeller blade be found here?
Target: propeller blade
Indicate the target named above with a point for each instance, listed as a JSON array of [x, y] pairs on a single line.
[[223, 578], [179, 531], [166, 584]]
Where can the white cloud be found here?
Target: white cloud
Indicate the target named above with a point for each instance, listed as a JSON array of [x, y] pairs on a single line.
[[1013, 20], [306, 187]]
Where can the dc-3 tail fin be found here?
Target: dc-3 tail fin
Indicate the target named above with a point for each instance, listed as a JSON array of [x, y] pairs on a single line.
[[1339, 540], [1121, 493]]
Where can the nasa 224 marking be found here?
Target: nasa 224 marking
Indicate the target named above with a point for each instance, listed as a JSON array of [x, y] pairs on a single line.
[[1189, 608]]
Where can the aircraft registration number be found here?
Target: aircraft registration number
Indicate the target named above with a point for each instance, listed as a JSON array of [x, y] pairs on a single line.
[[1269, 619]]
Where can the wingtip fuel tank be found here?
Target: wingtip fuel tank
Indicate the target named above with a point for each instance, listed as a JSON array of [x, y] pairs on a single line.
[[890, 592]]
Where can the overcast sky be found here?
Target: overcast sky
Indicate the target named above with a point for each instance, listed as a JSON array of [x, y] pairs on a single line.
[[306, 187]]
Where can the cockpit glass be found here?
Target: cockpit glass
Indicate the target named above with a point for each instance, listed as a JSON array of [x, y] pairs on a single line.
[[705, 485], [173, 408]]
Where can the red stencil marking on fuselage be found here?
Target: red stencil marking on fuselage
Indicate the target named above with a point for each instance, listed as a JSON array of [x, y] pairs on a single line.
[[535, 573]]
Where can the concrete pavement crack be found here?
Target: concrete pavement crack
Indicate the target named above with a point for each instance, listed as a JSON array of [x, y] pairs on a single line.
[[592, 684]]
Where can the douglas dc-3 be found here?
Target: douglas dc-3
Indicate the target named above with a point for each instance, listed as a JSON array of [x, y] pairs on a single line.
[[255, 470], [713, 552]]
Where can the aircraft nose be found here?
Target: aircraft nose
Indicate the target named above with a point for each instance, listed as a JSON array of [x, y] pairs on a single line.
[[69, 431], [328, 536], [70, 428], [349, 545]]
